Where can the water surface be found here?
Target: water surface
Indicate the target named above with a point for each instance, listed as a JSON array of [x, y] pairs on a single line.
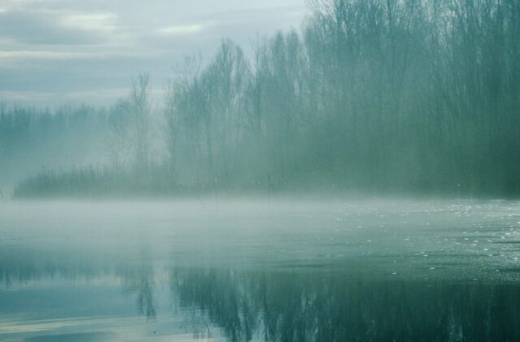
[[260, 270]]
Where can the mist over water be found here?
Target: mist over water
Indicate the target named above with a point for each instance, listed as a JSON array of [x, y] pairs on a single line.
[[352, 179]]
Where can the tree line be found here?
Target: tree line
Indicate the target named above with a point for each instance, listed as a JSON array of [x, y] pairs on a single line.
[[370, 95], [40, 140]]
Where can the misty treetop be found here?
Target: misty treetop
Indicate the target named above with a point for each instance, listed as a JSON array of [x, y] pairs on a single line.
[[385, 96]]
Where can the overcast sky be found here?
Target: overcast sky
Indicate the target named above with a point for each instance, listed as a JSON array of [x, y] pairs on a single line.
[[71, 51]]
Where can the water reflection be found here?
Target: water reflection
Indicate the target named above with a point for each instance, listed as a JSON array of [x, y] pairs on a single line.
[[273, 305], [295, 306], [139, 280]]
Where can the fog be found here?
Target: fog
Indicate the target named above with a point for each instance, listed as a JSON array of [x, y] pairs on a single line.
[[379, 97], [332, 170]]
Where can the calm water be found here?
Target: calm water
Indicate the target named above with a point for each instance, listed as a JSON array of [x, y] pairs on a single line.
[[285, 271]]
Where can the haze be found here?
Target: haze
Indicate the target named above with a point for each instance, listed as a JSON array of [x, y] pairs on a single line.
[[335, 170]]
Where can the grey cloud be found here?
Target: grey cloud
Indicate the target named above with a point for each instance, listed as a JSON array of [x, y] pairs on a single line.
[[44, 28], [85, 48]]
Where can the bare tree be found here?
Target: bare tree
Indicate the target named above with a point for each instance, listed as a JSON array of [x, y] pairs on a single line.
[[140, 111]]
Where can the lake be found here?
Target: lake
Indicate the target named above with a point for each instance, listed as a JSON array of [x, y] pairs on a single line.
[[259, 270]]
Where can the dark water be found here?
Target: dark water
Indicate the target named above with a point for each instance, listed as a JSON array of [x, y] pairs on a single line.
[[256, 271]]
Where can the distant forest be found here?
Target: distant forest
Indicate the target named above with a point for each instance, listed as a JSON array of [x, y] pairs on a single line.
[[380, 96]]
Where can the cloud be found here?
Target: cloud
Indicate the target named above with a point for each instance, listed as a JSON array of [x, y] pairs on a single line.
[[181, 29], [35, 5], [18, 55], [44, 27], [91, 21], [76, 48]]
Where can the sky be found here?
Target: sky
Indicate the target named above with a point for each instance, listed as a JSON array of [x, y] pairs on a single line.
[[55, 52]]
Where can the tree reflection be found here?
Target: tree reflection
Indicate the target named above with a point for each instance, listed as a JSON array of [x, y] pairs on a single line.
[[296, 306], [22, 265], [140, 280], [18, 266], [292, 305], [230, 307]]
